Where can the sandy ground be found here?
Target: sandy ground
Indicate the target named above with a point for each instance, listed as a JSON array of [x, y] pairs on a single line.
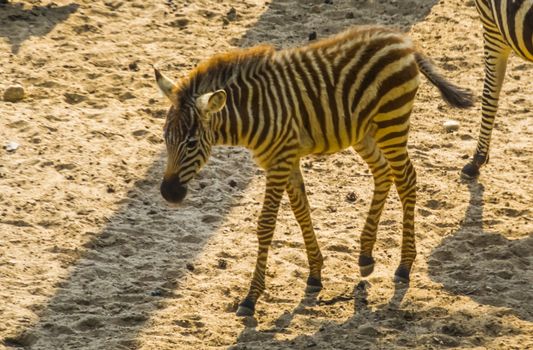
[[91, 258]]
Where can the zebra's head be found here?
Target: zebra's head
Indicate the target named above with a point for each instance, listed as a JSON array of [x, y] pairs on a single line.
[[188, 135]]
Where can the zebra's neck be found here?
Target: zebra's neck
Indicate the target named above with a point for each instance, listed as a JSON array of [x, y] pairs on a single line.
[[236, 123]]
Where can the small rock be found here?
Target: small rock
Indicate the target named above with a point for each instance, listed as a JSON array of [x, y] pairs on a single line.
[[316, 9], [133, 66], [74, 98], [11, 146], [25, 339], [368, 330], [180, 23], [329, 2], [210, 218], [351, 197], [190, 267], [312, 36], [156, 293], [232, 183], [140, 132], [451, 125], [350, 15], [222, 264], [14, 93], [232, 14], [126, 96]]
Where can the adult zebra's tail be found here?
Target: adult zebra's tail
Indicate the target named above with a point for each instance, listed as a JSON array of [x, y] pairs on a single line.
[[454, 95]]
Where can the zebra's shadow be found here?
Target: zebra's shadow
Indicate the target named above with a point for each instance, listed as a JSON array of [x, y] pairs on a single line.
[[34, 21], [362, 314], [484, 265]]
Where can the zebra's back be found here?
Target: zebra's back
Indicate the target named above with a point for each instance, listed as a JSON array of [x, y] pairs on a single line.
[[337, 86]]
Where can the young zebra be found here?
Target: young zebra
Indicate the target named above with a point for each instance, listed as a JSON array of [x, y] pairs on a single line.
[[507, 26], [355, 89]]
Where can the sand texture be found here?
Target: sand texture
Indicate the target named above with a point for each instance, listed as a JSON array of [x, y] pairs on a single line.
[[92, 258]]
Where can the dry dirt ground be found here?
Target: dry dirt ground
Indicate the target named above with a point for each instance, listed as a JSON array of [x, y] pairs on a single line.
[[91, 258]]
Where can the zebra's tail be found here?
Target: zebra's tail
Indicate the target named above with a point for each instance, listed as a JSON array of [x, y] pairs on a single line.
[[454, 95]]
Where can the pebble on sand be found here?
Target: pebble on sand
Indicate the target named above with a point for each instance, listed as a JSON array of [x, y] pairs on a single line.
[[11, 146], [14, 93], [451, 125]]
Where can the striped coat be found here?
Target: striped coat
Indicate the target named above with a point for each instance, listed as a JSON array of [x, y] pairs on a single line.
[[507, 27], [353, 90]]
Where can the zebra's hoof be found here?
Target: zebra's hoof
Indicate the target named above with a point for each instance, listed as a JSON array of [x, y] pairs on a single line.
[[366, 265], [246, 308], [313, 285], [470, 171], [401, 275]]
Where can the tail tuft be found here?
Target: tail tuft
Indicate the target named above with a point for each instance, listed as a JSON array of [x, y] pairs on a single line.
[[453, 95]]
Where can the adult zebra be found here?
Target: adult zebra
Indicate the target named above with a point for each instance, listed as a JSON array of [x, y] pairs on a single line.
[[355, 89], [507, 26]]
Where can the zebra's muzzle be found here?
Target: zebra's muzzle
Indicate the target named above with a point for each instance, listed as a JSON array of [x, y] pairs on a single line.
[[173, 190]]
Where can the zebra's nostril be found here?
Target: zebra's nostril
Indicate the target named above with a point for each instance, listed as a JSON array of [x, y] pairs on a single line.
[[173, 191]]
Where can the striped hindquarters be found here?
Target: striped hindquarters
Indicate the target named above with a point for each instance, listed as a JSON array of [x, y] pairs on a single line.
[[510, 22], [340, 84]]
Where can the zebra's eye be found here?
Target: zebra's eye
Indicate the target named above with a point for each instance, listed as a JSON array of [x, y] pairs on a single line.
[[192, 142]]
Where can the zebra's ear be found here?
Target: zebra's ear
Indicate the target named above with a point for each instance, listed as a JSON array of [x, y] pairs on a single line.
[[212, 102], [165, 84]]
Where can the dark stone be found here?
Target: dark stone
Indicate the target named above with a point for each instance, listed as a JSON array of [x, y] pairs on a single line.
[[351, 197], [222, 264], [232, 14], [133, 66]]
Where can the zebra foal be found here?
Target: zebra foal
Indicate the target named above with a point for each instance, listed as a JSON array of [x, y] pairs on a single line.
[[355, 89], [507, 26]]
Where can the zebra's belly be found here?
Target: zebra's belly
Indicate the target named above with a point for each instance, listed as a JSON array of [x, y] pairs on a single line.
[[327, 144]]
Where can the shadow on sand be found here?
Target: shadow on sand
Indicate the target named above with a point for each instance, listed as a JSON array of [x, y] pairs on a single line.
[[76, 318], [501, 276], [136, 261], [27, 22], [483, 265]]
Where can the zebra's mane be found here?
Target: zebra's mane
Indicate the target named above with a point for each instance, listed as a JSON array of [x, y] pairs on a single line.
[[219, 71]]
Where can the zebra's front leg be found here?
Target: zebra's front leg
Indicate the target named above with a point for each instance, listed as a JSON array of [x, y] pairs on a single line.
[[300, 208], [275, 187], [496, 55]]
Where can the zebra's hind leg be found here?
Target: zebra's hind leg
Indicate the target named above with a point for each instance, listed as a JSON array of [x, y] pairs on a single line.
[[300, 208], [393, 144], [381, 172], [276, 181], [496, 55], [405, 181]]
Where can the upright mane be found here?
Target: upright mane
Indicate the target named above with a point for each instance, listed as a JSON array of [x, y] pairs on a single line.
[[219, 70]]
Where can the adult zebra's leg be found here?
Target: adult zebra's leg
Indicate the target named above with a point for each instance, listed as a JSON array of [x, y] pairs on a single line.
[[276, 181], [381, 172], [300, 208], [496, 53], [394, 148]]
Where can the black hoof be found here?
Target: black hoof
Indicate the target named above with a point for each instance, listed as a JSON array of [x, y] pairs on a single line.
[[366, 265], [246, 308], [313, 285], [470, 171], [402, 274]]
